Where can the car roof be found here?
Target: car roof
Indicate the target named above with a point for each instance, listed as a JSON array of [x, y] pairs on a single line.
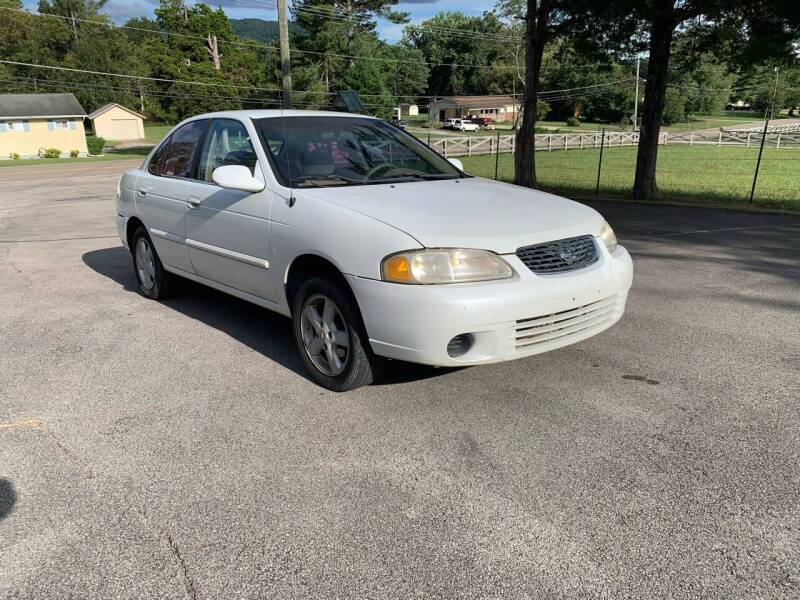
[[273, 112]]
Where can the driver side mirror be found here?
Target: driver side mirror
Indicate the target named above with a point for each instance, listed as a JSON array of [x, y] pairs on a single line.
[[236, 177], [456, 163]]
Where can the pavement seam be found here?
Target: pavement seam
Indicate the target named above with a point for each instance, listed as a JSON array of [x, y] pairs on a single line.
[[161, 534]]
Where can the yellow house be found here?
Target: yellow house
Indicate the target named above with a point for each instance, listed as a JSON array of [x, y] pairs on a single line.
[[33, 123], [115, 122]]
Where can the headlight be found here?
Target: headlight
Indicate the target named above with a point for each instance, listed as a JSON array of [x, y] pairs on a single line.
[[608, 237], [446, 265]]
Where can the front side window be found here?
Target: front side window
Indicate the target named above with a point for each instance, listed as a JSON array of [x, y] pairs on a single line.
[[178, 160], [15, 126], [325, 151], [61, 124], [226, 143]]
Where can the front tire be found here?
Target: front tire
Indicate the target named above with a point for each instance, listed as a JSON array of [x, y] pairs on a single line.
[[331, 337], [154, 282]]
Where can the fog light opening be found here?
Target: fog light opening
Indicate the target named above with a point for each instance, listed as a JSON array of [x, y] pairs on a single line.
[[460, 345]]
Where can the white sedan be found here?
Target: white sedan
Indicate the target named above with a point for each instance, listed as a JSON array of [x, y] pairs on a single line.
[[373, 244]]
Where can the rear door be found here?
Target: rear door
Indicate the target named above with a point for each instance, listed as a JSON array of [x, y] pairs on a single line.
[[161, 193], [227, 230]]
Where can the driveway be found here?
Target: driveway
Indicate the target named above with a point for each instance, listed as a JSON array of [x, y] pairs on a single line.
[[175, 450]]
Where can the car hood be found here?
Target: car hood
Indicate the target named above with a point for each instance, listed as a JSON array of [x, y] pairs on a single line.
[[467, 213]]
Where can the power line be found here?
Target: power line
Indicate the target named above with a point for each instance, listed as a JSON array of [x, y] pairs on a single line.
[[142, 77], [113, 25], [262, 46], [317, 12]]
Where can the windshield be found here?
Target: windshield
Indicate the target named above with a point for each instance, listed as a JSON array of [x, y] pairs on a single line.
[[336, 151]]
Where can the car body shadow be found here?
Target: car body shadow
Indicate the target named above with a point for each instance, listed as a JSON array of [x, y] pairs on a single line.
[[272, 335]]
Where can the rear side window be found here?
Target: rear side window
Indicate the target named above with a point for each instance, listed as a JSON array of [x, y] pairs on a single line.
[[180, 153], [157, 161]]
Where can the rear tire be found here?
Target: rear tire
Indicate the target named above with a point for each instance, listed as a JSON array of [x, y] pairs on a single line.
[[154, 282], [331, 337]]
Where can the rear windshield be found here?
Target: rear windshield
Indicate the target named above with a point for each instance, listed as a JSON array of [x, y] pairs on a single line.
[[334, 151]]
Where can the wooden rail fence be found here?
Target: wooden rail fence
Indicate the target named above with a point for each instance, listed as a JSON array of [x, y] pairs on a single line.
[[548, 142]]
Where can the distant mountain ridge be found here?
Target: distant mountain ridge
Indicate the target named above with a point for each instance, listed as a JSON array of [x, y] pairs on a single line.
[[261, 30]]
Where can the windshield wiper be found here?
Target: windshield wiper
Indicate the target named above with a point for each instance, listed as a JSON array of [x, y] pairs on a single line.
[[420, 176], [312, 178]]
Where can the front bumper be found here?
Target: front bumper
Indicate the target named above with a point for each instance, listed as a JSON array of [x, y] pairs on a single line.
[[527, 314]]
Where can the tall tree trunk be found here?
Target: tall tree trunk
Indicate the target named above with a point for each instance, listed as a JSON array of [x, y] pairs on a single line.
[[536, 22], [661, 31], [213, 50]]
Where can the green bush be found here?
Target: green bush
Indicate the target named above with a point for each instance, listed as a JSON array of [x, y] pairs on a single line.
[[542, 110], [573, 122], [14, 155], [52, 153], [95, 145], [674, 107], [73, 153], [432, 125], [541, 130]]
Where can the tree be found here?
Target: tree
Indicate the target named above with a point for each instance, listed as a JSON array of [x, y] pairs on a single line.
[[537, 33], [461, 48], [749, 30], [73, 11]]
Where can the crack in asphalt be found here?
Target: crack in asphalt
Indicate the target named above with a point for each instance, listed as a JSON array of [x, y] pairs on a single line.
[[160, 533]]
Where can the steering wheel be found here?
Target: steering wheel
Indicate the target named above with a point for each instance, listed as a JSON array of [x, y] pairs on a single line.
[[381, 169]]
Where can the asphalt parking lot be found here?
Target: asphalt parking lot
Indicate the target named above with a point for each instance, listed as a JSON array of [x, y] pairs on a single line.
[[175, 450]]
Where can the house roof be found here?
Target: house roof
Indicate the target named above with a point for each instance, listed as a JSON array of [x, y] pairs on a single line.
[[40, 105], [109, 106], [493, 101]]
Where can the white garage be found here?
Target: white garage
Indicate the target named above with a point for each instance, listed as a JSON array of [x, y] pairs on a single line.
[[115, 122]]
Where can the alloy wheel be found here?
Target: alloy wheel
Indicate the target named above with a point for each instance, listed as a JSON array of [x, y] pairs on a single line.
[[325, 337], [145, 264]]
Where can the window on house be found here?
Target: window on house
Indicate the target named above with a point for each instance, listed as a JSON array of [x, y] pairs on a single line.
[[15, 126], [61, 124]]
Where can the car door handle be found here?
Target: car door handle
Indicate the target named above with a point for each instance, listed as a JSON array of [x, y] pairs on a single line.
[[142, 193], [193, 202]]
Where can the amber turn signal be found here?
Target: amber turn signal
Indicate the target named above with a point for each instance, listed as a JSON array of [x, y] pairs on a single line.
[[397, 269]]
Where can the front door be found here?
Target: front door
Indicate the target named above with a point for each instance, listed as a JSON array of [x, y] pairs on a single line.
[[227, 231]]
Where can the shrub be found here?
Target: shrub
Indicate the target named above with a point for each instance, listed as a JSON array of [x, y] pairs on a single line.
[[14, 155], [573, 122], [432, 125], [95, 145], [541, 130], [73, 153], [52, 153], [542, 110]]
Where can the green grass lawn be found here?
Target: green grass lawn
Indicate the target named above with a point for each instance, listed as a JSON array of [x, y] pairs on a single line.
[[132, 153], [704, 174], [155, 133]]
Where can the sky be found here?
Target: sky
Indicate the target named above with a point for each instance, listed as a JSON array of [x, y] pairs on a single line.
[[121, 10]]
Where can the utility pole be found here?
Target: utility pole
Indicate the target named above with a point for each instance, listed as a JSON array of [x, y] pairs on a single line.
[[636, 101], [764, 135], [774, 93], [286, 65]]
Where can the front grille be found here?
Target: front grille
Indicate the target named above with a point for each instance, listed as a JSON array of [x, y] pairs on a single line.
[[558, 328], [560, 255]]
